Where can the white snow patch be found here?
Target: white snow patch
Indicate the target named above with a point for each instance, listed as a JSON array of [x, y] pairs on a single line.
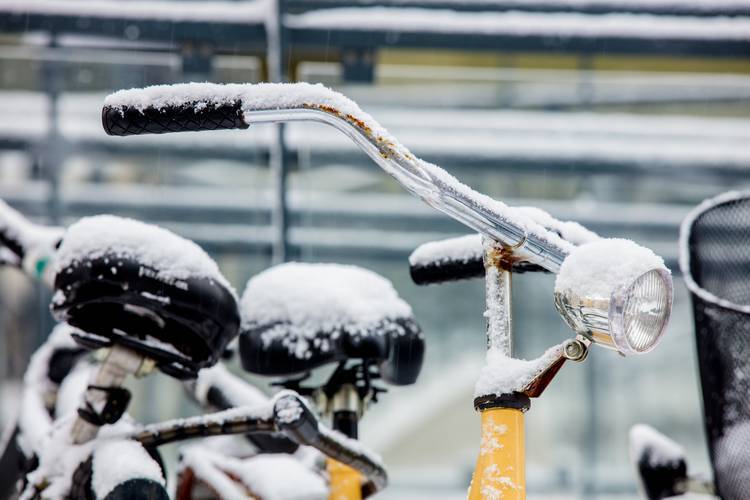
[[570, 231], [573, 25], [460, 249], [662, 450], [8, 258], [504, 375], [490, 442], [235, 389], [59, 457], [172, 257], [29, 235], [288, 410], [271, 477], [254, 12], [279, 477], [118, 461], [39, 392], [305, 299], [72, 388], [594, 269], [352, 444]]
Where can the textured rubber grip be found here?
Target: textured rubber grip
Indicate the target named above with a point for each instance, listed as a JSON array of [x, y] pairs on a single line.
[[453, 270], [447, 270], [122, 121]]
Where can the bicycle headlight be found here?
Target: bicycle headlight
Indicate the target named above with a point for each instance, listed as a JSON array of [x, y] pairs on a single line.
[[616, 293]]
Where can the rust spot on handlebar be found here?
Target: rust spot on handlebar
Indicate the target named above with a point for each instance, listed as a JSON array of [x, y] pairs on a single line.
[[386, 147]]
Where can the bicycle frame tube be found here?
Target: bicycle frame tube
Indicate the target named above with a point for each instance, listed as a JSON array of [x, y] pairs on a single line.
[[424, 181], [500, 467], [345, 483]]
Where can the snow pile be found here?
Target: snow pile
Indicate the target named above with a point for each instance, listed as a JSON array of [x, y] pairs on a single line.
[[568, 230], [416, 20], [647, 441], [461, 249], [235, 389], [172, 257], [595, 269], [59, 458], [502, 374], [445, 189], [118, 461], [271, 477], [307, 299], [288, 410]]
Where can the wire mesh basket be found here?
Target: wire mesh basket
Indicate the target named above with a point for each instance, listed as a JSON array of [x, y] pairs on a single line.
[[715, 261]]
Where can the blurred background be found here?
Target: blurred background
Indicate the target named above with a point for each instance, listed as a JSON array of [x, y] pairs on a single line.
[[619, 114]]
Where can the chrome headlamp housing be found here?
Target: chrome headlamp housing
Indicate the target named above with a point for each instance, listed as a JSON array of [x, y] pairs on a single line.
[[616, 294]]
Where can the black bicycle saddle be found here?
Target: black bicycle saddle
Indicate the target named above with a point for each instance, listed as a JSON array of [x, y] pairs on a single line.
[[123, 281], [296, 317]]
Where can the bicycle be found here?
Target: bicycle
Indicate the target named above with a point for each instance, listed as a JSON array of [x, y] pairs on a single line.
[[144, 298], [297, 317], [610, 292]]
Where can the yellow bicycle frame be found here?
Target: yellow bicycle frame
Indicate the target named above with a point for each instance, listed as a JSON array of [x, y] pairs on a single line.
[[500, 470], [346, 482]]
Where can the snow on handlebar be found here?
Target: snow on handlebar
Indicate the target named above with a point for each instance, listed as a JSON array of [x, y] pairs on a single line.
[[535, 236]]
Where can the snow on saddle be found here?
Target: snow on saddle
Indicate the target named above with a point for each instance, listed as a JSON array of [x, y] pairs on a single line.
[[296, 317], [141, 286]]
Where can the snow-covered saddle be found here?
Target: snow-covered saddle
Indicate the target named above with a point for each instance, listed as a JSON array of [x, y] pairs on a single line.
[[296, 317], [122, 281]]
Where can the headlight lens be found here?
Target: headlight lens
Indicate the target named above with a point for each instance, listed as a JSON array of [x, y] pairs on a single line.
[[638, 314]]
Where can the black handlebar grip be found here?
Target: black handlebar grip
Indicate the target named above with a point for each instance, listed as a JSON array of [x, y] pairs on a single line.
[[455, 270], [447, 270], [122, 121]]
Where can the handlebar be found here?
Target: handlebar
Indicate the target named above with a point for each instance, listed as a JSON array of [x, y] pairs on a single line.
[[287, 413], [191, 107]]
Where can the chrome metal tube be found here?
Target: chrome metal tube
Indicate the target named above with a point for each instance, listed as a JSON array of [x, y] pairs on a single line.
[[417, 177]]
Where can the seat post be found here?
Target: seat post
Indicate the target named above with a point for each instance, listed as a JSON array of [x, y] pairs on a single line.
[[346, 407], [119, 363]]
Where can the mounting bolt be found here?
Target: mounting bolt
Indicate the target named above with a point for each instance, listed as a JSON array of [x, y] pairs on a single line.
[[575, 350]]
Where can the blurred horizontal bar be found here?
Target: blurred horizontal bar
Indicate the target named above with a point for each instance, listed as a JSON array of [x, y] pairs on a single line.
[[580, 143], [229, 27], [664, 7], [381, 225]]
